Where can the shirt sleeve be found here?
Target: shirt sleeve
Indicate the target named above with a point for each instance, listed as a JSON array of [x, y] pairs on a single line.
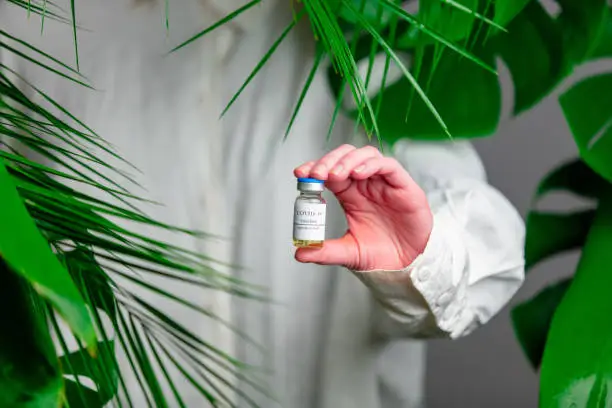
[[473, 262]]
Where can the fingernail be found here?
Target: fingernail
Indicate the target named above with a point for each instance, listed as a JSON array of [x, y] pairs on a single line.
[[338, 169], [360, 168]]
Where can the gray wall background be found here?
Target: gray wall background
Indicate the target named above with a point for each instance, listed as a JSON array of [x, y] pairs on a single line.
[[487, 368]]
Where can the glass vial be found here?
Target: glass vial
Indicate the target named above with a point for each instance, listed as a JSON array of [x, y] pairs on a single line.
[[309, 214]]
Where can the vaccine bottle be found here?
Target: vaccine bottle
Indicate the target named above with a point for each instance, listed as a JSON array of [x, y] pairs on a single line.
[[309, 214]]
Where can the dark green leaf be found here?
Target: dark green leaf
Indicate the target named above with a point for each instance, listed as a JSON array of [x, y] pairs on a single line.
[[549, 234], [587, 107], [531, 320], [29, 373], [582, 22], [25, 249], [439, 37], [603, 47], [102, 369], [449, 22], [577, 361], [540, 51], [371, 11], [406, 74], [81, 396], [466, 96], [533, 51], [92, 281], [576, 177], [506, 10]]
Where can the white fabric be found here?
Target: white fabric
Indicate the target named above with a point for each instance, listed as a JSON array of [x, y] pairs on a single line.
[[329, 342]]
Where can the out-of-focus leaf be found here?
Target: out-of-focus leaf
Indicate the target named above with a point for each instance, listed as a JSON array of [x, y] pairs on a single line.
[[550, 234], [92, 281], [371, 11], [450, 22], [101, 370], [531, 320], [506, 10], [533, 51], [577, 362], [587, 107], [540, 50], [603, 48], [576, 177], [30, 376], [436, 35], [466, 96], [582, 22], [27, 252], [81, 396]]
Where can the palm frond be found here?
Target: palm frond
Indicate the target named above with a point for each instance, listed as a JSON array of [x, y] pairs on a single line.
[[327, 28], [88, 235]]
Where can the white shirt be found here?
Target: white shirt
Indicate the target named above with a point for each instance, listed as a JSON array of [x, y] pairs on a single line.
[[333, 338]]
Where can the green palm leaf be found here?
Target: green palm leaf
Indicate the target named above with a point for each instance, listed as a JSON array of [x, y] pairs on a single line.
[[92, 254]]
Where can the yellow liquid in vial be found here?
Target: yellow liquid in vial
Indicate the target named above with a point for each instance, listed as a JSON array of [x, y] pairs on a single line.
[[304, 243]]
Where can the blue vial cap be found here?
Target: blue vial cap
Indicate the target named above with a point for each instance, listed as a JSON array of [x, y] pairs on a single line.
[[310, 180]]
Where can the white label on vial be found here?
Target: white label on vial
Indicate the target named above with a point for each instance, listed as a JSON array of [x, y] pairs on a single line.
[[309, 221]]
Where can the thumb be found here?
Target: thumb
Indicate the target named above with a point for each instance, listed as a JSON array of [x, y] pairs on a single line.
[[342, 251]]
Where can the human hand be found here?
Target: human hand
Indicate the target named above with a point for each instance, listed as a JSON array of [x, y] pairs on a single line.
[[389, 219]]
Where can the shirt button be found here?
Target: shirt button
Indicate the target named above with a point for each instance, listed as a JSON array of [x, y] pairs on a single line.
[[423, 274]]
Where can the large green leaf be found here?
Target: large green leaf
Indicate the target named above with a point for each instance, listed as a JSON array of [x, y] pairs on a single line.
[[550, 234], [531, 320], [81, 396], [450, 22], [574, 176], [370, 9], [506, 10], [587, 107], [577, 364], [533, 52], [29, 372], [90, 278], [101, 370], [25, 249], [540, 50], [582, 22], [466, 96], [603, 48]]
